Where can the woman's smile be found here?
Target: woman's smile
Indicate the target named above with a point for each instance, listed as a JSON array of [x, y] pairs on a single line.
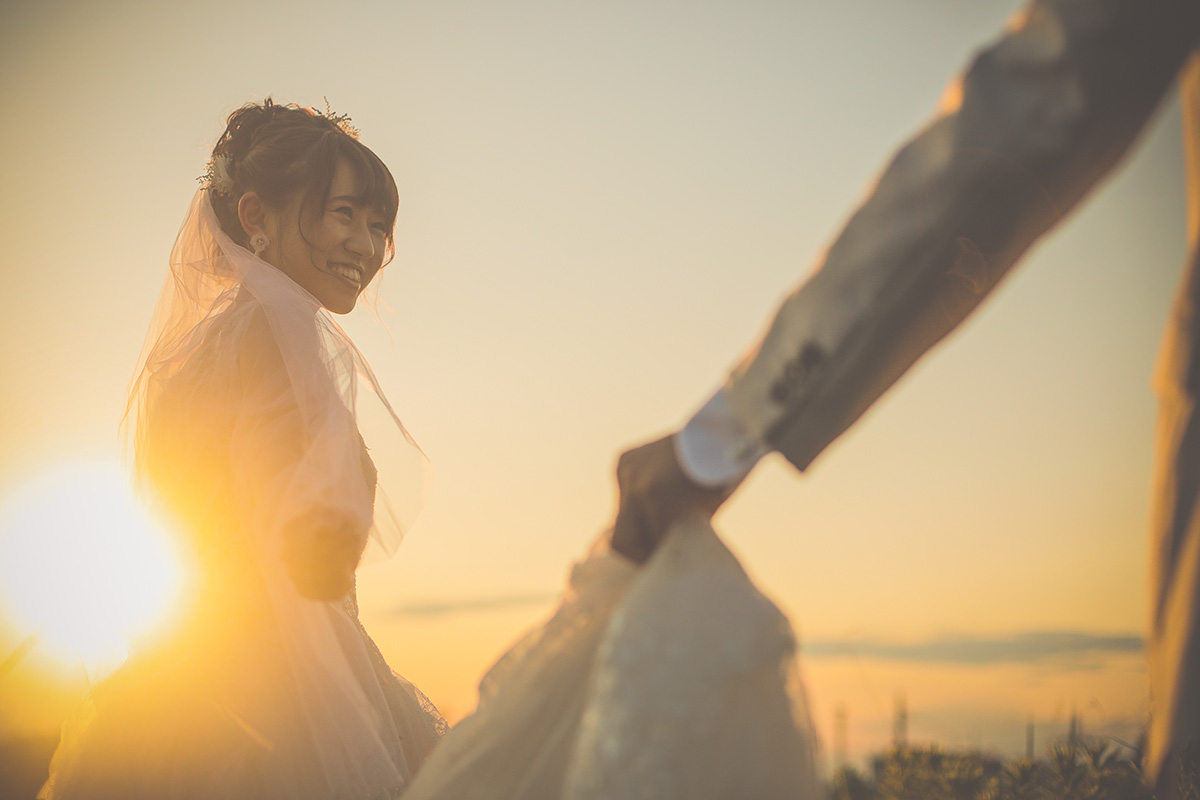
[[352, 274]]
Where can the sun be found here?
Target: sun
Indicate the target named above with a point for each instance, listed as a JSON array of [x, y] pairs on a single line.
[[83, 567]]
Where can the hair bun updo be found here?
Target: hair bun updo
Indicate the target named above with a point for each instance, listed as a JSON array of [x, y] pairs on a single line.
[[279, 151]]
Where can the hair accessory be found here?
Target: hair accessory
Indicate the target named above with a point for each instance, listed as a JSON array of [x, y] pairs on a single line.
[[216, 177], [258, 243], [342, 121]]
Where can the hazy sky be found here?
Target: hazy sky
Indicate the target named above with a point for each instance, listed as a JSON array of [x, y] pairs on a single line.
[[602, 204]]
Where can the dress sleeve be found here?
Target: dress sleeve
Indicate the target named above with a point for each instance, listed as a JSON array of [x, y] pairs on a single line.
[[1035, 121], [299, 483]]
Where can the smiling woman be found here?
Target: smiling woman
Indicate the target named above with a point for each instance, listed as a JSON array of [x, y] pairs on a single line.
[[83, 567], [245, 415], [304, 195]]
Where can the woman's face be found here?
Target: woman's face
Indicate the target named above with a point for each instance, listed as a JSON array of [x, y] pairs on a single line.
[[342, 246]]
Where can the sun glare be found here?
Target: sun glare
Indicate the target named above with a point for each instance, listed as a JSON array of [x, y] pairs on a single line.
[[82, 566]]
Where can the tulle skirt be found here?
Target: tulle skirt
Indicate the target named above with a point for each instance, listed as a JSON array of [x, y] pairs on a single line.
[[221, 712], [675, 681]]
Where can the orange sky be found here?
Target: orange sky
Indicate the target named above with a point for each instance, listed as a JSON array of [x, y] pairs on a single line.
[[601, 206]]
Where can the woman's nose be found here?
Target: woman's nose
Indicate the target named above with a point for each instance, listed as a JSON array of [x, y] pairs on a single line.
[[360, 242]]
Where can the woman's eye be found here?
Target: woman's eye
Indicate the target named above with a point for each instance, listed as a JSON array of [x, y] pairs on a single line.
[[347, 210], [380, 228]]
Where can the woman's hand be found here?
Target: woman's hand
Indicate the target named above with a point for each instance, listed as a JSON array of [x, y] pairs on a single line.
[[322, 551]]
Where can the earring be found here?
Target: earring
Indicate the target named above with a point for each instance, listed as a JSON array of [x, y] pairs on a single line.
[[258, 243]]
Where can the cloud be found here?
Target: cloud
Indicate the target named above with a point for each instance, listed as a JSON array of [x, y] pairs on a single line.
[[442, 608], [1023, 648]]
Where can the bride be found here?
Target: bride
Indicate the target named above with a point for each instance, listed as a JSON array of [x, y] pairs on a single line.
[[252, 415]]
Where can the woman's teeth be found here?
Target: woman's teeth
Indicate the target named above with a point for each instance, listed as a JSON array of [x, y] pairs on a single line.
[[349, 273]]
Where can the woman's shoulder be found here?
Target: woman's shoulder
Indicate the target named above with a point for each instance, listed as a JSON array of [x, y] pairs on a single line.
[[233, 345], [251, 342]]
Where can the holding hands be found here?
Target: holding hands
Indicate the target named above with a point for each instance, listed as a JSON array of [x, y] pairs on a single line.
[[654, 493]]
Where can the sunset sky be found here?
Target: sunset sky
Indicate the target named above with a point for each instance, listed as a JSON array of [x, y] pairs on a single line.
[[601, 206]]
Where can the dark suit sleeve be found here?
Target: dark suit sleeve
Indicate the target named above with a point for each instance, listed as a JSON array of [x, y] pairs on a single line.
[[1036, 120]]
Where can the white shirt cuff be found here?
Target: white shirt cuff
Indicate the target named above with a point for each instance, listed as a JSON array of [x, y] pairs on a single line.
[[713, 449]]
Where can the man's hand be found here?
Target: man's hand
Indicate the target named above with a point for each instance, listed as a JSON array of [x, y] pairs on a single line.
[[654, 493]]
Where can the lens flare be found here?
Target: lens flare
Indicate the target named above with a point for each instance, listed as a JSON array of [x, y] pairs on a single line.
[[83, 566]]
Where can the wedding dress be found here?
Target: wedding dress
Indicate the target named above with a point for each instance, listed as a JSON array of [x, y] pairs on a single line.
[[253, 410], [248, 407]]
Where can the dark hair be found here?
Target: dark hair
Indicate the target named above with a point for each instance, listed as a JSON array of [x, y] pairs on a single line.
[[279, 150]]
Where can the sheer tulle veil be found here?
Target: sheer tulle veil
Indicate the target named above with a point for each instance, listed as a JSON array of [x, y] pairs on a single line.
[[215, 285]]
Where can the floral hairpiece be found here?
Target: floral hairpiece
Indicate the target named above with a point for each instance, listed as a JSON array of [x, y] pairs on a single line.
[[216, 177]]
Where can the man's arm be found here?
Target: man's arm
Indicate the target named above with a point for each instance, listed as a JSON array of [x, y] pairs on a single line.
[[1036, 121], [1038, 118]]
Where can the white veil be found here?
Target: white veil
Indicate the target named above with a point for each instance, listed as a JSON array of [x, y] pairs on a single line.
[[212, 295]]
